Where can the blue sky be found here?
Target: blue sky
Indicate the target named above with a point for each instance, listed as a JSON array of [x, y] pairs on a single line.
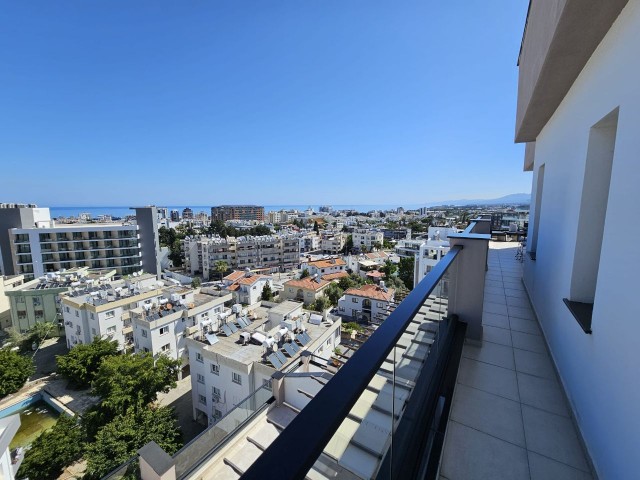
[[269, 102]]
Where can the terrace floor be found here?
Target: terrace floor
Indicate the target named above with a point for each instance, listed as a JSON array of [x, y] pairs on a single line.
[[509, 416]]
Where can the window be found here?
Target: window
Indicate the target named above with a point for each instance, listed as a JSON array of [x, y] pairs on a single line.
[[215, 369], [37, 301], [591, 221], [92, 316], [533, 237], [165, 348], [67, 309], [93, 332], [39, 313], [21, 300], [354, 300], [77, 313], [236, 378], [144, 333], [111, 330], [146, 349], [110, 314], [202, 399], [164, 330], [217, 413], [200, 378], [216, 391], [380, 305], [199, 357], [22, 314]]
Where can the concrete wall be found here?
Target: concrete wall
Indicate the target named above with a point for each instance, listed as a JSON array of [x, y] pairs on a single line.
[[599, 371]]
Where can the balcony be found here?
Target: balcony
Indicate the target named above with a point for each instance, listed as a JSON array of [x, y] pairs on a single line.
[[456, 383]]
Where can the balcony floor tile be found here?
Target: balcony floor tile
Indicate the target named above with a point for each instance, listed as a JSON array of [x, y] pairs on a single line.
[[510, 417]]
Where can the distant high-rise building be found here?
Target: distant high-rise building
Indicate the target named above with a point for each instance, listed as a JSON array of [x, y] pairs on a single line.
[[237, 212], [175, 216], [187, 214]]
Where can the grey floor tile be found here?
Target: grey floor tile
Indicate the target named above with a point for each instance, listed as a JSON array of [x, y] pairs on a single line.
[[499, 355], [543, 393], [521, 301], [498, 308], [527, 341], [496, 335], [495, 298], [515, 292], [543, 468], [494, 290], [494, 283], [553, 436], [521, 312], [537, 364], [492, 379], [513, 285], [495, 320], [488, 413], [526, 326], [470, 454]]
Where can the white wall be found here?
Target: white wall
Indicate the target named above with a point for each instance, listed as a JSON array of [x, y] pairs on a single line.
[[599, 371]]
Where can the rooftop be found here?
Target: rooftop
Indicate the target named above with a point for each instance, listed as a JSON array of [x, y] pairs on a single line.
[[308, 283], [332, 262], [372, 291]]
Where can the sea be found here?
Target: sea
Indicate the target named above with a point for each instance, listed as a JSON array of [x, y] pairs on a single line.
[[121, 212]]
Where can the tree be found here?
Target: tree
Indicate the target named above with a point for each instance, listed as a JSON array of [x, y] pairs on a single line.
[[405, 271], [81, 364], [221, 267], [14, 371], [387, 245], [377, 245], [321, 304], [396, 283], [333, 293], [196, 282], [118, 441], [305, 273], [267, 294], [53, 450], [133, 381], [389, 268], [36, 334], [348, 245], [316, 227]]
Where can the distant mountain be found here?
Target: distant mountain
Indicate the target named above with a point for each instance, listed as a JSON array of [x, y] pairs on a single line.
[[513, 199]]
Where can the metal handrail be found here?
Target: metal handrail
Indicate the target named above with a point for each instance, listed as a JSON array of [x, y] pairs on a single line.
[[315, 425]]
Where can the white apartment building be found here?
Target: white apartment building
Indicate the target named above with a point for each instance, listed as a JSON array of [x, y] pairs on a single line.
[[324, 267], [332, 243], [367, 238], [246, 286], [273, 252], [244, 359], [369, 303], [102, 309], [161, 328], [7, 284], [578, 112], [429, 254], [33, 245]]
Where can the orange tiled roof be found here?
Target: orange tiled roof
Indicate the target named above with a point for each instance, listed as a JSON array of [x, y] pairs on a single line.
[[335, 276], [233, 276], [375, 274], [307, 283], [250, 280], [336, 262], [371, 291]]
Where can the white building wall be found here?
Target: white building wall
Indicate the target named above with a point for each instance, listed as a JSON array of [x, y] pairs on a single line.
[[599, 371]]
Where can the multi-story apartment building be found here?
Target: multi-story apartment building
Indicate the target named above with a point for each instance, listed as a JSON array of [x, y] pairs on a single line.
[[175, 216], [33, 245], [274, 217], [228, 366], [38, 300], [367, 238], [237, 212], [273, 252], [332, 243], [187, 214], [7, 284]]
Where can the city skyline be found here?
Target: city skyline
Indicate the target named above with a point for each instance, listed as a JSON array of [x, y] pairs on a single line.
[[228, 101]]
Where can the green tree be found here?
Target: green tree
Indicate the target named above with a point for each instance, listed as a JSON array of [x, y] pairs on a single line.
[[348, 245], [36, 334], [377, 245], [321, 304], [267, 294], [221, 267], [316, 227], [333, 293], [389, 268], [395, 283], [305, 273], [15, 369], [119, 440], [133, 381], [405, 271], [53, 450], [175, 254], [387, 245], [196, 282], [81, 364]]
